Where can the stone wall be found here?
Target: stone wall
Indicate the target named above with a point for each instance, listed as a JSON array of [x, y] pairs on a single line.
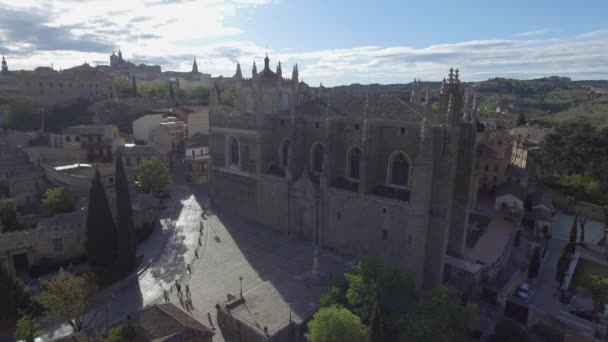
[[57, 239], [568, 204]]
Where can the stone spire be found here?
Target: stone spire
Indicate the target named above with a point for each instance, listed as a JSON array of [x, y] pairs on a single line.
[[456, 77], [474, 110], [238, 75], [451, 75], [466, 114], [425, 125], [4, 65], [279, 70], [194, 66], [448, 113], [295, 76], [120, 55], [444, 86], [254, 70], [266, 63]]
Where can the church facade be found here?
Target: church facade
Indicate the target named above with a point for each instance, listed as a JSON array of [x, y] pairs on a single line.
[[368, 176]]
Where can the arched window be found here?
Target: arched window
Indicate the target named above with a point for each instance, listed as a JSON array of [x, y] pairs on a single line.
[[354, 161], [399, 169], [317, 157], [234, 151], [284, 153]]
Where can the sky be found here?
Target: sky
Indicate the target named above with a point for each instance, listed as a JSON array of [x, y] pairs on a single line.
[[332, 41]]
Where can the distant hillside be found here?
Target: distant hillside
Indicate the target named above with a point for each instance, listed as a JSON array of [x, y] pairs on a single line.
[[547, 100]]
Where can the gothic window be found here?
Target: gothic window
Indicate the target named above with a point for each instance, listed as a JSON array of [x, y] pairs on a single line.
[[354, 161], [285, 153], [234, 151], [384, 234], [317, 158], [399, 169]]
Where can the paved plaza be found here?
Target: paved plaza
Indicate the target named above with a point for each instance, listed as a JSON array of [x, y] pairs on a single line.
[[229, 248]]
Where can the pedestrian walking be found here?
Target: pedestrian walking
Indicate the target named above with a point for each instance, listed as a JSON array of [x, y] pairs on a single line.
[[196, 253], [178, 287], [188, 290], [189, 270], [166, 295]]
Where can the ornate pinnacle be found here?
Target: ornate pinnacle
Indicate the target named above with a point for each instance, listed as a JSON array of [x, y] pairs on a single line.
[[451, 75]]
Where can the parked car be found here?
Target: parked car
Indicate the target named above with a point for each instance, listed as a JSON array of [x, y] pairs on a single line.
[[566, 296], [590, 315], [524, 292]]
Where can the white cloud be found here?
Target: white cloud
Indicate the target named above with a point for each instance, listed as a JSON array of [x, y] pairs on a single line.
[[172, 32]]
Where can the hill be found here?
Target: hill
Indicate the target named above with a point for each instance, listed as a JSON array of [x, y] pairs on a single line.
[[548, 101]]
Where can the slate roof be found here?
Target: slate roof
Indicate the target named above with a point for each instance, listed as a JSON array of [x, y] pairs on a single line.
[[63, 220], [374, 106], [85, 130], [144, 201], [166, 322], [514, 189]]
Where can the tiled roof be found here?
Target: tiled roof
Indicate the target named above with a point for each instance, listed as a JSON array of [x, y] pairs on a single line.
[[143, 202], [138, 151], [198, 140], [71, 219], [166, 322], [84, 129], [485, 151]]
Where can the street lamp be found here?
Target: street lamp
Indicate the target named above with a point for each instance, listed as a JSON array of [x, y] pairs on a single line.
[[241, 279], [290, 311]]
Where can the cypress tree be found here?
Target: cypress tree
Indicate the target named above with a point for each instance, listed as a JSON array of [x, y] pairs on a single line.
[[14, 296], [133, 86], [101, 233], [574, 229], [124, 217]]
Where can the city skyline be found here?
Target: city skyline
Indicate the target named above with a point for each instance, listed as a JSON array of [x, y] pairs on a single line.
[[335, 43]]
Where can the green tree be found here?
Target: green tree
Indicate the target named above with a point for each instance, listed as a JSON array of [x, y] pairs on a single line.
[[70, 298], [574, 230], [380, 295], [124, 217], [508, 330], [119, 334], [101, 232], [599, 291], [26, 329], [440, 317], [153, 175], [4, 187], [8, 214], [563, 264], [335, 324], [23, 116], [521, 119], [57, 200], [198, 94], [227, 97], [534, 265], [14, 296]]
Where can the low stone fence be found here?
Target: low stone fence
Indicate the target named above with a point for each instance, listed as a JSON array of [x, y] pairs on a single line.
[[568, 204]]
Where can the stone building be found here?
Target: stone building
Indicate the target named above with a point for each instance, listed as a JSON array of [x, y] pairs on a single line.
[[47, 86], [367, 176], [197, 158], [99, 142], [133, 155]]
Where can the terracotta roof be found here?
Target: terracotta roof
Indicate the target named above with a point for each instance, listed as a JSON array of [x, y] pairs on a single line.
[[166, 322], [138, 150], [485, 151], [84, 129], [198, 140]]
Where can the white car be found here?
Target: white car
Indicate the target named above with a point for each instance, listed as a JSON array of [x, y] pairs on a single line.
[[524, 292]]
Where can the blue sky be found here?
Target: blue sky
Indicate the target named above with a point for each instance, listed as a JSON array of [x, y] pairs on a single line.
[[334, 42]]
